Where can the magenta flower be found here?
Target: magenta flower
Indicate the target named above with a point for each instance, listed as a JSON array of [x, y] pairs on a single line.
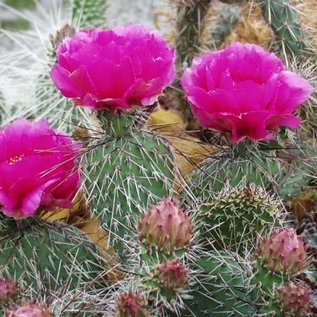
[[244, 91], [111, 69], [37, 168]]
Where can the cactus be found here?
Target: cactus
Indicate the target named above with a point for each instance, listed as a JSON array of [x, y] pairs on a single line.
[[127, 169], [190, 25], [297, 175], [282, 17], [230, 168], [45, 257], [88, 13], [237, 216], [189, 42], [222, 287], [165, 230], [130, 177]]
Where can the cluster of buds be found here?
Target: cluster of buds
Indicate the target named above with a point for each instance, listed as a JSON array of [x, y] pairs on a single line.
[[131, 305], [165, 227], [8, 290], [295, 300], [29, 310], [284, 252], [171, 275]]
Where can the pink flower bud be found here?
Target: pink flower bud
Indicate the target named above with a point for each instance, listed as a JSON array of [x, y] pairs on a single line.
[[171, 275], [295, 300], [8, 290], [131, 305], [29, 310], [284, 252], [166, 227]]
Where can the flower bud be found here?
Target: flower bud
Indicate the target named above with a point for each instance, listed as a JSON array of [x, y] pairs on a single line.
[[29, 310], [166, 227], [171, 275], [295, 300], [8, 290], [284, 252], [131, 305]]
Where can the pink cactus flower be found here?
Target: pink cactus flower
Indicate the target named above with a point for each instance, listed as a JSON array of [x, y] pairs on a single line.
[[114, 69], [244, 91], [37, 168]]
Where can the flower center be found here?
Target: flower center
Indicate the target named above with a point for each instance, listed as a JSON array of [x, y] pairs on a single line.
[[15, 159]]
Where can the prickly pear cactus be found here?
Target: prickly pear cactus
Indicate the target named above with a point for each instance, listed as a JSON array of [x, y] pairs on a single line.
[[284, 252], [88, 13], [222, 287], [127, 169], [41, 256], [233, 169], [297, 175], [278, 259], [237, 216]]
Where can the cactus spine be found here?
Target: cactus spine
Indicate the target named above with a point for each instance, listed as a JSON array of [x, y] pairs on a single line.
[[127, 169]]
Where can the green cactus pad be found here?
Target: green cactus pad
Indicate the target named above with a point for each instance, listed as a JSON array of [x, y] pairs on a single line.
[[222, 288], [237, 216], [125, 174], [230, 169], [89, 13], [43, 257]]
